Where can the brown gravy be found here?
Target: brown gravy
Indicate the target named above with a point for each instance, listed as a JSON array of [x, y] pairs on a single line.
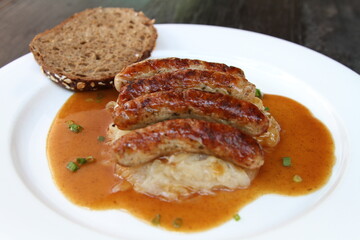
[[303, 138]]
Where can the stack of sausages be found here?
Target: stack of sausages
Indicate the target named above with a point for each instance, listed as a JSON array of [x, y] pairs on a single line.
[[181, 105]]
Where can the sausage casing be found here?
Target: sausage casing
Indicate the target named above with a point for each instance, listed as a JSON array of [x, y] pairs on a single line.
[[210, 81], [150, 67], [188, 135], [190, 103]]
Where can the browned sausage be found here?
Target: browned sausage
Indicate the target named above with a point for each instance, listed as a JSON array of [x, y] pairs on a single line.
[[190, 103], [188, 135], [210, 81], [150, 67]]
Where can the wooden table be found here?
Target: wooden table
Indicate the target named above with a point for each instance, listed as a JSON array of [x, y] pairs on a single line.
[[331, 27]]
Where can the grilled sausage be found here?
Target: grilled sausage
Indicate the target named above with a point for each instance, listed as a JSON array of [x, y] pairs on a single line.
[[190, 103], [188, 135], [150, 67], [210, 81]]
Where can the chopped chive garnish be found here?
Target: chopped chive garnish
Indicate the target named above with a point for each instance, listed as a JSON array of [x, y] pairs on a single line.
[[81, 161], [101, 138], [74, 127], [286, 161], [72, 166], [236, 217], [266, 108], [156, 220], [297, 178], [177, 223], [258, 93]]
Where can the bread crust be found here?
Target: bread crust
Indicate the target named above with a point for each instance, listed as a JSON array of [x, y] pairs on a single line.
[[88, 82], [78, 85]]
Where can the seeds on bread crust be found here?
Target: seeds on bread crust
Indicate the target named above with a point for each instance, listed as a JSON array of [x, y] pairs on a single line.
[[87, 50], [77, 85]]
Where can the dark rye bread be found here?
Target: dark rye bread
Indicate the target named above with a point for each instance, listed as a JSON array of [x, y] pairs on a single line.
[[87, 50]]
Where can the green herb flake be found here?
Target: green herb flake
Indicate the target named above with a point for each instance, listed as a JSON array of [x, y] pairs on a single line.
[[258, 93], [286, 161], [72, 166], [84, 160], [177, 223], [297, 179], [101, 138], [156, 220], [237, 217], [76, 128], [81, 161], [267, 109]]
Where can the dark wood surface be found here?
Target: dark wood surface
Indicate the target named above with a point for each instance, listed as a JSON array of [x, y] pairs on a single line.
[[331, 27]]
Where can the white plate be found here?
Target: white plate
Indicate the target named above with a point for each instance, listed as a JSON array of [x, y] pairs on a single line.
[[31, 205]]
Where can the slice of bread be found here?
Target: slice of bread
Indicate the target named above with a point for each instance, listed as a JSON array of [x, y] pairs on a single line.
[[87, 50]]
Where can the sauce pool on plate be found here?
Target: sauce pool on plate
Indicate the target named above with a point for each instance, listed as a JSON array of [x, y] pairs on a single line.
[[306, 144]]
